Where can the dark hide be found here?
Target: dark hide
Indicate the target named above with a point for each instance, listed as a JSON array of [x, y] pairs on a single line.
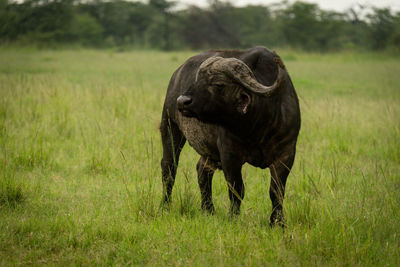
[[230, 125]]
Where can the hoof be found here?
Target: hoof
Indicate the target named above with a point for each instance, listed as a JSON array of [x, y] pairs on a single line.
[[209, 210], [234, 211], [208, 207], [276, 219], [165, 203]]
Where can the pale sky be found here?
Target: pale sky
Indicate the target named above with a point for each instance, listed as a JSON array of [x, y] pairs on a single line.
[[337, 5]]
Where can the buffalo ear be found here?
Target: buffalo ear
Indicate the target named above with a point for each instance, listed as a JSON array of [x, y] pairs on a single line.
[[243, 102]]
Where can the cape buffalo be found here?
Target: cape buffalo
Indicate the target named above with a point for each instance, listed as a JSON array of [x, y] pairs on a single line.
[[233, 107]]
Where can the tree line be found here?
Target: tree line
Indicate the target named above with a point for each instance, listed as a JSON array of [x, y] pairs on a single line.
[[159, 24]]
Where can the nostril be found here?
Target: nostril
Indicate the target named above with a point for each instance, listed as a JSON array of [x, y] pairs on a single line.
[[184, 100], [187, 101]]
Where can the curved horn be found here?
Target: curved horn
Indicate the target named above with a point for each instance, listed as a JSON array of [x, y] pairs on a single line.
[[240, 72], [206, 65], [243, 74]]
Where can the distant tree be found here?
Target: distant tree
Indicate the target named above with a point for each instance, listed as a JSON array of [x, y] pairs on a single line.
[[225, 23], [212, 27], [395, 37], [163, 7], [305, 25], [196, 31], [42, 20], [9, 18], [85, 30], [157, 24], [46, 21], [329, 31], [140, 19], [299, 25], [355, 29], [256, 26], [382, 25]]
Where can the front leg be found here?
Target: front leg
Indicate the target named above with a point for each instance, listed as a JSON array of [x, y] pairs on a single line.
[[205, 172], [232, 168], [233, 174], [279, 172]]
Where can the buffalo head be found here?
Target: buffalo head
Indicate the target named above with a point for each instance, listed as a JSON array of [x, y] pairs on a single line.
[[223, 90]]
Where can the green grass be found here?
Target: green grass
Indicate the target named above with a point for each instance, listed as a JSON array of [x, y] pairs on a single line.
[[80, 170]]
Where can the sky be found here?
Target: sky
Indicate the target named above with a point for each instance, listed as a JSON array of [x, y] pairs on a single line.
[[337, 5]]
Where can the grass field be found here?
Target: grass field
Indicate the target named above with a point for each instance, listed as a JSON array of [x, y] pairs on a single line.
[[80, 177]]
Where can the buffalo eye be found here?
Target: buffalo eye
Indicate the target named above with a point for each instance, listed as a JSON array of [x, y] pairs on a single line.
[[217, 87]]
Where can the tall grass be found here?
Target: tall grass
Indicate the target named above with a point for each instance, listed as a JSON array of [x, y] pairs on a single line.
[[11, 191], [80, 179]]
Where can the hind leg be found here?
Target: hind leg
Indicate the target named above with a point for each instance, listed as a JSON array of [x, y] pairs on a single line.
[[280, 170], [172, 142], [205, 172]]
